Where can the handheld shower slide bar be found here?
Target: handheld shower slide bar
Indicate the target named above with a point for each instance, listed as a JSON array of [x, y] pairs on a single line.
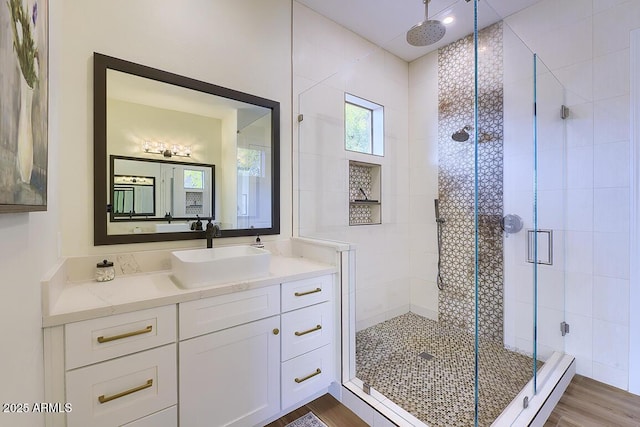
[[439, 223]]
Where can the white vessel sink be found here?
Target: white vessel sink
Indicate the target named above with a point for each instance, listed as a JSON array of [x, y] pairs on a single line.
[[172, 228], [196, 268]]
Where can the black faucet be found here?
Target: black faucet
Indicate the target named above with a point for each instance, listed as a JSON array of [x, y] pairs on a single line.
[[212, 230], [197, 225], [168, 217]]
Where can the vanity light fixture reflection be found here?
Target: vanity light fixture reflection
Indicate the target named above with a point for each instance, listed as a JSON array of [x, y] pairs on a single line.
[[140, 180], [165, 149]]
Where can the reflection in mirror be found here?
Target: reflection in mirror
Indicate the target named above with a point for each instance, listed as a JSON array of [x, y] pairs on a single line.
[[134, 196], [169, 191], [154, 124]]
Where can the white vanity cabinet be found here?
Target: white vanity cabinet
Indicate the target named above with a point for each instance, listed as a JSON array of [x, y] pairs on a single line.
[[246, 356], [236, 359], [230, 375], [121, 369]]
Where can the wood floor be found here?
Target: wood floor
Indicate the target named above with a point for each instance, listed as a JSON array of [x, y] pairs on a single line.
[[328, 409], [585, 403], [588, 403]]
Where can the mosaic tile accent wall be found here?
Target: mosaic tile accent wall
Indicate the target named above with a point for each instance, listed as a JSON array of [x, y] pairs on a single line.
[[456, 185], [360, 214], [359, 177]]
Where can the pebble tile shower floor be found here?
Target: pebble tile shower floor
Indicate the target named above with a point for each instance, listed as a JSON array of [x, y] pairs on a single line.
[[439, 390]]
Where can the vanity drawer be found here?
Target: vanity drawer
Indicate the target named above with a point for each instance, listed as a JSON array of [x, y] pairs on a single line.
[[305, 375], [109, 337], [216, 313], [165, 418], [306, 329], [301, 293], [122, 390]]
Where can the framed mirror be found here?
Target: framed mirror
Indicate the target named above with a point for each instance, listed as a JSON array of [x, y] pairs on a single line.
[[169, 150], [151, 191]]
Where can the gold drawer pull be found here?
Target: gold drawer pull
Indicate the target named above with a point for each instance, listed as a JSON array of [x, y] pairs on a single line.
[[317, 372], [103, 399], [317, 328], [301, 294], [127, 335]]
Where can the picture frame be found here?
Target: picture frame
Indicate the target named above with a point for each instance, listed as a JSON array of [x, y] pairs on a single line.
[[24, 98]]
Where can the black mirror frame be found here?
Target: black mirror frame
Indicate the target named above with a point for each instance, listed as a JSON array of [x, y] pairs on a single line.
[[100, 209]]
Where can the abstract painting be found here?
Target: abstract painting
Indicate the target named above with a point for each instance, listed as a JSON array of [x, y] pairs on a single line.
[[24, 94]]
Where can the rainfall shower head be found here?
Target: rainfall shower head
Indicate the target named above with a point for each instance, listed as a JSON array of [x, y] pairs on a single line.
[[426, 32], [461, 135]]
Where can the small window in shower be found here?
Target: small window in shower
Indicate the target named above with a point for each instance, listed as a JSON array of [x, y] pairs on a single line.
[[364, 125], [193, 179]]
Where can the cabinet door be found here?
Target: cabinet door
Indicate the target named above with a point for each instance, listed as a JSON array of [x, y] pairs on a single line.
[[231, 377]]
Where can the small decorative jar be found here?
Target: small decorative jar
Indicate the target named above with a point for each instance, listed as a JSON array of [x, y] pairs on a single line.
[[105, 271]]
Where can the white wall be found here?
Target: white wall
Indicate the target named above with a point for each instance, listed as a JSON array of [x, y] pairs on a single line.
[[586, 44], [634, 297], [218, 41], [423, 171], [329, 61], [28, 248], [130, 124]]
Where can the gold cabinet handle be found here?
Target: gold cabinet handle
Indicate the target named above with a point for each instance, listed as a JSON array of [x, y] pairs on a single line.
[[301, 294], [105, 399], [127, 335], [317, 328], [276, 331], [299, 380]]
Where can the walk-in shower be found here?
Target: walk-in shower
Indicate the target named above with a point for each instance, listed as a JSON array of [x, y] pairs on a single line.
[[446, 322]]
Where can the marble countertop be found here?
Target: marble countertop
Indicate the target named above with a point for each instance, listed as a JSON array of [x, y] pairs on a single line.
[[66, 302]]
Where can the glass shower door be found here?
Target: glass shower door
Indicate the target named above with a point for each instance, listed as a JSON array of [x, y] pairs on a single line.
[[549, 233], [519, 221], [504, 200]]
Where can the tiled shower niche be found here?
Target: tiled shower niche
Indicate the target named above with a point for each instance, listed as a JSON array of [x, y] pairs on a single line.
[[193, 203], [364, 193]]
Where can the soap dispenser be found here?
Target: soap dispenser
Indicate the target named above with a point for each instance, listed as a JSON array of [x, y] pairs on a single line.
[[258, 243]]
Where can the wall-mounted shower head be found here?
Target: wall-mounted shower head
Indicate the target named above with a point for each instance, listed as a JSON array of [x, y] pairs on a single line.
[[461, 135], [426, 32]]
